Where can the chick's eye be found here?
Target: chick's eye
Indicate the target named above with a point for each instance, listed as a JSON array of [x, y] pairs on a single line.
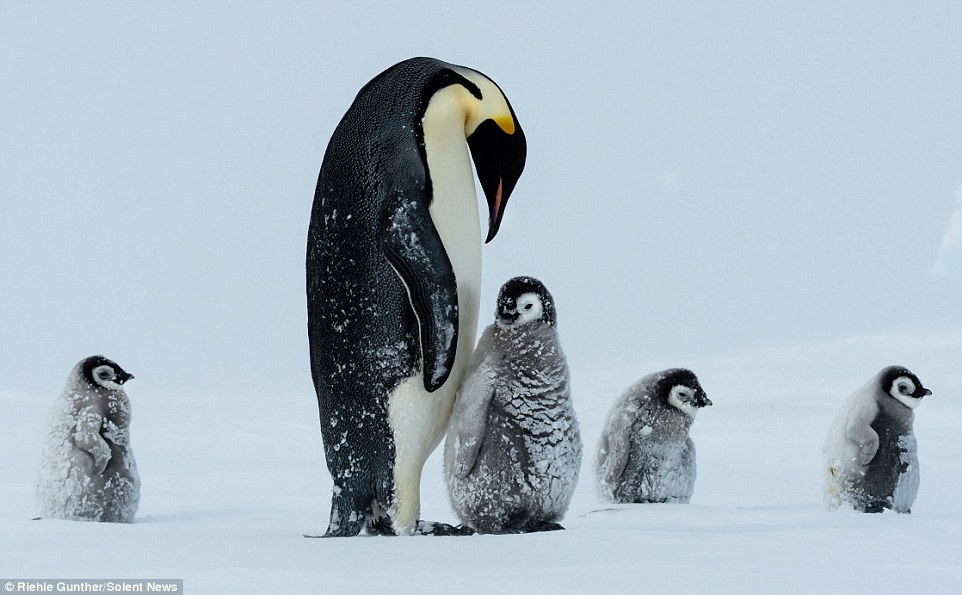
[[104, 374], [529, 306]]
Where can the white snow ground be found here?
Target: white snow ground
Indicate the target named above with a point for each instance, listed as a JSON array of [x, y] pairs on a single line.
[[231, 482]]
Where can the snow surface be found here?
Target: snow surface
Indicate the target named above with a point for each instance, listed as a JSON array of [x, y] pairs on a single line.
[[760, 192]]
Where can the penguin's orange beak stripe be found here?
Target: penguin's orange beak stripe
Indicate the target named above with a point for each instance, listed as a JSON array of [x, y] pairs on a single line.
[[495, 213]]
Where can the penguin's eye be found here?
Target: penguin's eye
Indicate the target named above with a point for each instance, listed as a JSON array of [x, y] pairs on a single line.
[[681, 397], [104, 373], [529, 307], [904, 385]]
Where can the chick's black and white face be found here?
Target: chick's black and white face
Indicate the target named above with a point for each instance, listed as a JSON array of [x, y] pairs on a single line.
[[109, 375], [682, 397], [514, 313], [908, 391], [688, 398]]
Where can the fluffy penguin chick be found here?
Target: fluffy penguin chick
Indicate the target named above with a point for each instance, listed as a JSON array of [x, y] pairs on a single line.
[[513, 449], [871, 462], [87, 470], [645, 454]]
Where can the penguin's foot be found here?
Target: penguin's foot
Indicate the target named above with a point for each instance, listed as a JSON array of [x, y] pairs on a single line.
[[524, 528], [332, 535], [339, 531], [545, 527], [381, 526], [871, 506], [442, 529]]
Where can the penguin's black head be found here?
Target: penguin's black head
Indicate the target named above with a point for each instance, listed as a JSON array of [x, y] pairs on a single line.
[[903, 386], [497, 143], [499, 150], [101, 371], [680, 388], [523, 300]]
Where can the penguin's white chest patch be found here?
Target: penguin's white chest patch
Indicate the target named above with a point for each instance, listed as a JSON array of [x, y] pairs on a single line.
[[419, 419]]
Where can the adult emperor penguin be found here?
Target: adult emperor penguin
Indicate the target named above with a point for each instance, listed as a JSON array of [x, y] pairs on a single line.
[[645, 454], [87, 470], [393, 276], [513, 451], [871, 458]]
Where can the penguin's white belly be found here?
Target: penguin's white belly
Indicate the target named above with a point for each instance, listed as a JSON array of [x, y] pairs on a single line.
[[419, 419]]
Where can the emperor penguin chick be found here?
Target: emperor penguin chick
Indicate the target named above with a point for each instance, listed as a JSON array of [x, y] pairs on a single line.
[[87, 470], [513, 449], [645, 454], [871, 461]]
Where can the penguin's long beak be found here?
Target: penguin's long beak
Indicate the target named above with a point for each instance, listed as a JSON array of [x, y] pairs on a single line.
[[499, 153], [508, 316], [702, 400], [122, 377]]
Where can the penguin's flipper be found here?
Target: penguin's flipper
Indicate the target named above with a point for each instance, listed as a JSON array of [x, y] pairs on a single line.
[[472, 417], [865, 438], [613, 453], [86, 437], [415, 250]]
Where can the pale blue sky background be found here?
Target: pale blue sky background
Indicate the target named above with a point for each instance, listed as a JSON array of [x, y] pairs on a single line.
[[704, 180]]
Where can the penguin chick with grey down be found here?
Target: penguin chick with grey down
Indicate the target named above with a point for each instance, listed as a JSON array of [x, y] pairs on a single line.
[[645, 454], [513, 449], [87, 470], [871, 457]]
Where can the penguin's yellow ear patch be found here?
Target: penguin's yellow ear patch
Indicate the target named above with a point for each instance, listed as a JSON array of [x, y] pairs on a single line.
[[505, 122], [492, 106]]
